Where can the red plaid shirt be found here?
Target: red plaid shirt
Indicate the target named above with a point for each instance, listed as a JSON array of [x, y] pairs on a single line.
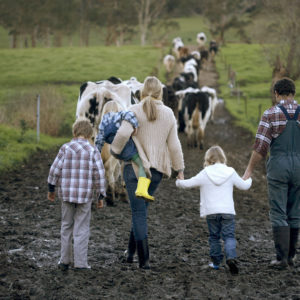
[[272, 124], [78, 169]]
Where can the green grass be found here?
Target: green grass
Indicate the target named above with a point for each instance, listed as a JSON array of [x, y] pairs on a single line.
[[29, 72], [253, 79], [189, 28], [16, 147], [21, 67], [24, 73]]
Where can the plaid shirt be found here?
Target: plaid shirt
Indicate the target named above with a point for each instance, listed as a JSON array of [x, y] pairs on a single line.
[[116, 118], [78, 169], [272, 124]]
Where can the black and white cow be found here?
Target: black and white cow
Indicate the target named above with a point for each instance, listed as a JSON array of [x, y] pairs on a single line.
[[177, 44], [212, 93], [169, 62], [93, 96], [201, 39], [191, 66], [170, 99], [184, 81], [135, 87], [196, 113], [213, 48]]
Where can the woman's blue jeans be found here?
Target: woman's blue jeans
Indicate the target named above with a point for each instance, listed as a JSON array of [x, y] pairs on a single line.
[[221, 226], [139, 207]]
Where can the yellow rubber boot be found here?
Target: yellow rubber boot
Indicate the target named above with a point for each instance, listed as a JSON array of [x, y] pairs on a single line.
[[142, 188]]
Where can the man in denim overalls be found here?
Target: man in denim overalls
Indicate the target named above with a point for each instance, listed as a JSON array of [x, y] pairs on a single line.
[[279, 131]]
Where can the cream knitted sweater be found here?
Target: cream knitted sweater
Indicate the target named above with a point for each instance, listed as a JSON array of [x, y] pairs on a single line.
[[157, 141]]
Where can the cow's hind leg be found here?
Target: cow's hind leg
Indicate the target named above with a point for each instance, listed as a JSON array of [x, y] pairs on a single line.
[[200, 138]]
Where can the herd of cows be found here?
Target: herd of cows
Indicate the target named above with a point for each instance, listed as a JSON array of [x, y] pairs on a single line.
[[193, 106]]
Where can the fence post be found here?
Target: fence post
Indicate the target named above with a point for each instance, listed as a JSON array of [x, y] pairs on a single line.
[[246, 106], [259, 112], [38, 119]]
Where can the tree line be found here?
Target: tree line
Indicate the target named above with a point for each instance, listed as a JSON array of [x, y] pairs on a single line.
[[32, 20], [51, 21], [47, 20]]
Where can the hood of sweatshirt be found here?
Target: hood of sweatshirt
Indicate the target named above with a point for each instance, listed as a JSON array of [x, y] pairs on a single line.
[[219, 173]]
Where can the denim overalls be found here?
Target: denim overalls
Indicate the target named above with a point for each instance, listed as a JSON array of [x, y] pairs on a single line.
[[283, 175]]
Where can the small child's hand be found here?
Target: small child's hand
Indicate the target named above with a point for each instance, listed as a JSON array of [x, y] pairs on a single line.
[[100, 204], [51, 196], [134, 131]]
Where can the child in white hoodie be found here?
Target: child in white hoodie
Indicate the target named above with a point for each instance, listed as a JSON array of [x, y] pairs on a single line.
[[216, 182]]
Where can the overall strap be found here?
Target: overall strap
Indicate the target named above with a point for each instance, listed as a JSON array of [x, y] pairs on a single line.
[[297, 113], [285, 112]]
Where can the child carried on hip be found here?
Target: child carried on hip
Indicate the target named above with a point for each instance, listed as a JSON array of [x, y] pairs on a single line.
[[110, 123]]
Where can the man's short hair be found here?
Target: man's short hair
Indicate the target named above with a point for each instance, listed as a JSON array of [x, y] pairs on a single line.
[[82, 127], [285, 86]]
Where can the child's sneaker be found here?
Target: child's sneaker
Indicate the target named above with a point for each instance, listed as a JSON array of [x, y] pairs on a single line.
[[212, 265]]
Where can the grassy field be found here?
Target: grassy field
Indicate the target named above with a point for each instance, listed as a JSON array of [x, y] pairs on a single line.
[[253, 80], [56, 75]]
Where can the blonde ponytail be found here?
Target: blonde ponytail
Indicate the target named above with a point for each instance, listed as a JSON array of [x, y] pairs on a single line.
[[152, 90], [149, 108]]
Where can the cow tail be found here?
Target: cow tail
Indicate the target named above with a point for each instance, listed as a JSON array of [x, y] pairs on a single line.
[[195, 117]]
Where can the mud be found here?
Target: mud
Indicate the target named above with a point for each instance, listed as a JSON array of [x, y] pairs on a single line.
[[178, 238]]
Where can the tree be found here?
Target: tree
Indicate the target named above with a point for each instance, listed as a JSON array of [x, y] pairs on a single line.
[[119, 18], [148, 12], [11, 18], [227, 14], [285, 27]]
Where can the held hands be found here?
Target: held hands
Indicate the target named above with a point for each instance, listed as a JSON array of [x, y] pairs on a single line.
[[180, 175], [100, 203], [51, 196], [246, 175]]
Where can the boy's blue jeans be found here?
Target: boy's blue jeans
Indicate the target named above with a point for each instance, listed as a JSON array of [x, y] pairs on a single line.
[[139, 207], [221, 226]]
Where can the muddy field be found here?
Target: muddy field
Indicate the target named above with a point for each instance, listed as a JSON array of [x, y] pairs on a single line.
[[178, 238]]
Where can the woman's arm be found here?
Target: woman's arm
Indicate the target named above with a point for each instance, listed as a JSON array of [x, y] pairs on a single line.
[[175, 149], [122, 137]]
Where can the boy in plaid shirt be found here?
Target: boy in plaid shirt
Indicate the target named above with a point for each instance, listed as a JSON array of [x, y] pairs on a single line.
[[78, 171]]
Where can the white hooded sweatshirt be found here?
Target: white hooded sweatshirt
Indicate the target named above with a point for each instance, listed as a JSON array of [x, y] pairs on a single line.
[[216, 184]]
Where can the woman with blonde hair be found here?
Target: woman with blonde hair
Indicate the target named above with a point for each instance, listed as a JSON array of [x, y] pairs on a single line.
[[216, 182], [160, 150]]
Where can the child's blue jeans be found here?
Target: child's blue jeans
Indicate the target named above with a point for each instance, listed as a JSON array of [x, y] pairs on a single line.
[[221, 226], [129, 149]]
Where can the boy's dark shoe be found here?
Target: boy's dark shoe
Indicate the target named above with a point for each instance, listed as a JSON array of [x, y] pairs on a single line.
[[63, 267], [233, 268]]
